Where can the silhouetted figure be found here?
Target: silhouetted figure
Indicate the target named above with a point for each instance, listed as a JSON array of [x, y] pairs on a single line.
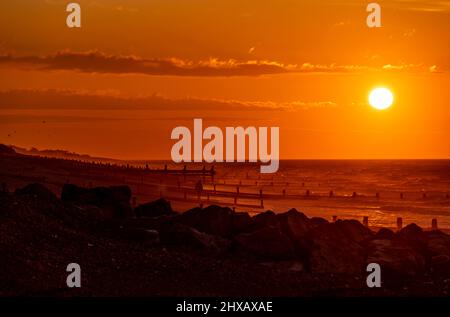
[[199, 188]]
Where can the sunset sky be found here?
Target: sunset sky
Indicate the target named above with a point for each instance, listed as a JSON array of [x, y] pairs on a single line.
[[135, 70]]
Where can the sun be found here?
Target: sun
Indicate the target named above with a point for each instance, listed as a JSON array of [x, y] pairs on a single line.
[[381, 98]]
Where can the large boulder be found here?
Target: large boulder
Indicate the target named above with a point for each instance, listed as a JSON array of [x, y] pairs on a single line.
[[264, 220], [241, 221], [398, 260], [160, 207], [4, 149], [182, 235], [333, 251], [317, 221], [438, 249], [354, 230], [115, 200], [296, 226], [268, 243], [385, 234], [414, 236], [213, 219], [37, 191]]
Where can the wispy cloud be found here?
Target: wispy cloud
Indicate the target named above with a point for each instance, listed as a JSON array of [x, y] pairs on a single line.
[[98, 62], [105, 100]]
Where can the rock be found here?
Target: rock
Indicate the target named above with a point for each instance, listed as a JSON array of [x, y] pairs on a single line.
[[438, 248], [317, 221], [241, 221], [213, 219], [354, 230], [332, 251], [4, 149], [411, 232], [38, 191], [264, 220], [114, 199], [397, 259], [179, 234], [295, 225], [160, 207], [385, 234], [269, 243], [414, 236]]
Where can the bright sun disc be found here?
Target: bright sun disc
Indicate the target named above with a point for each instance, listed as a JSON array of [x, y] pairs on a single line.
[[381, 98]]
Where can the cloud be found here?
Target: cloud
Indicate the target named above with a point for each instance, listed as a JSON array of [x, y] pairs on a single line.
[[29, 99], [98, 62]]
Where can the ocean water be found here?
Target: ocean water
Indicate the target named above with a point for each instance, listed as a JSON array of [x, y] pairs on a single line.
[[416, 190]]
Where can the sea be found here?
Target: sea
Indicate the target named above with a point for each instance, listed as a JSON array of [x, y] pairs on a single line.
[[417, 191]]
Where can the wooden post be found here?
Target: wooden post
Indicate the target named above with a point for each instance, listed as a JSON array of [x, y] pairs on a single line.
[[366, 221], [424, 195], [235, 200], [377, 195], [354, 195], [334, 218], [331, 193], [262, 203], [399, 223], [237, 190], [284, 192], [261, 193], [308, 193], [434, 224], [214, 188], [401, 195], [207, 197]]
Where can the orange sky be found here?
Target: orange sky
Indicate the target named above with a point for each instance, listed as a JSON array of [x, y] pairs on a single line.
[[137, 69]]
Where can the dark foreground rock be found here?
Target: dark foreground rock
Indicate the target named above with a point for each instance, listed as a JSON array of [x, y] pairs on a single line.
[[114, 200], [213, 220], [334, 251], [160, 207], [269, 243], [438, 248], [37, 190], [397, 259], [210, 252]]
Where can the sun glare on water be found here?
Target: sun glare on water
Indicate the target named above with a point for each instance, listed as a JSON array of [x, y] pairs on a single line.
[[381, 98]]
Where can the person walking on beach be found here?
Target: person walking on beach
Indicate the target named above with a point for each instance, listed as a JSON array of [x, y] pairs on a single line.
[[199, 189]]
